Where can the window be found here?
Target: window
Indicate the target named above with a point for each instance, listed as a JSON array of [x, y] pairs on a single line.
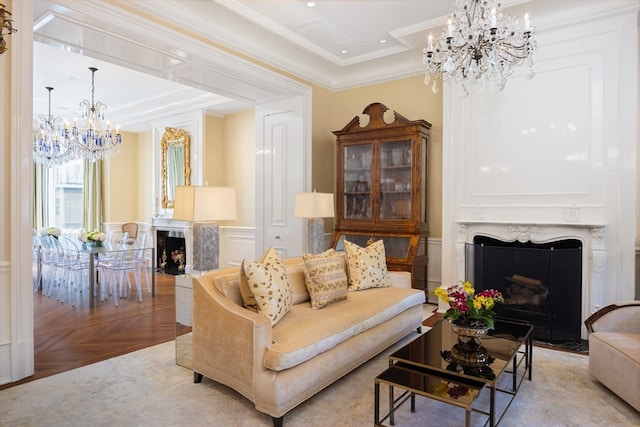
[[65, 190]]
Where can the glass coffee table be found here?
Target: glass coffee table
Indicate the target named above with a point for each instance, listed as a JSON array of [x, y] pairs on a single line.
[[424, 367]]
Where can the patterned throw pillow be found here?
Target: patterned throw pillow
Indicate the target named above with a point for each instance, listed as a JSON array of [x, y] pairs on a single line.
[[367, 267], [325, 277], [268, 282]]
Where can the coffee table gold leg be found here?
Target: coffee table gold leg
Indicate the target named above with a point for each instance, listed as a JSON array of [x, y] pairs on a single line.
[[376, 408], [392, 420], [492, 407]]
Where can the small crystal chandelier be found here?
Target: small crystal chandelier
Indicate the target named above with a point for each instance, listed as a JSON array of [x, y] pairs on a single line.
[[50, 145], [92, 142], [479, 43], [5, 27]]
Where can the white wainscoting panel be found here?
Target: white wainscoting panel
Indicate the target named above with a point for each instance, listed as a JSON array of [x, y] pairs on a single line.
[[236, 244]]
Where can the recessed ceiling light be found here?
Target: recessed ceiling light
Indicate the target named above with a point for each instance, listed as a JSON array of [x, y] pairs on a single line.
[[311, 3], [344, 51], [383, 41]]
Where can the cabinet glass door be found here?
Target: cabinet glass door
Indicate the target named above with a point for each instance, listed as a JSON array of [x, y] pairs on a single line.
[[395, 180], [357, 181]]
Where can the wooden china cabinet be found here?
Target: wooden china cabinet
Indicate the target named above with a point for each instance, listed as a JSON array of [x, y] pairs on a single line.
[[382, 188]]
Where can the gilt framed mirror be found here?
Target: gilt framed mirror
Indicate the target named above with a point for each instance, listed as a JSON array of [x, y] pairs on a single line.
[[176, 169]]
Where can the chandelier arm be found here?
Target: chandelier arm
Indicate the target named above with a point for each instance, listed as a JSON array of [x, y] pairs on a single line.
[[480, 42], [94, 141]]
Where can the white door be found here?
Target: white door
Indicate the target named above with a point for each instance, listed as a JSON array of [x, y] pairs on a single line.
[[281, 172]]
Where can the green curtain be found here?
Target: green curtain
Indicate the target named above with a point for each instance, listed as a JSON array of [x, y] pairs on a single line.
[[93, 203], [40, 196]]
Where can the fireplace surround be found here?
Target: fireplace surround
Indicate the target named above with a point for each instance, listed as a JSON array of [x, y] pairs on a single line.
[[172, 232], [591, 238], [541, 283]]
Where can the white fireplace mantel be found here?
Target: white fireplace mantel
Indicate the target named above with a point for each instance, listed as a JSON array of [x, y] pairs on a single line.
[[170, 224], [592, 237]]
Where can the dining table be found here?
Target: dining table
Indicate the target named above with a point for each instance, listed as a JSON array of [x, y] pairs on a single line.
[[94, 253]]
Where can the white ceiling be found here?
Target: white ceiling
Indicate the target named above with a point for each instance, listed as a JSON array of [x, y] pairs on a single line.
[[145, 74]]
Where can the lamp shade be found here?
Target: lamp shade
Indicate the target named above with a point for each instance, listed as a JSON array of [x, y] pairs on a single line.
[[197, 204], [314, 205]]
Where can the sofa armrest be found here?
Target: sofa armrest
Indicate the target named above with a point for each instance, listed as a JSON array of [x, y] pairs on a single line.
[[400, 279], [229, 342], [619, 317]]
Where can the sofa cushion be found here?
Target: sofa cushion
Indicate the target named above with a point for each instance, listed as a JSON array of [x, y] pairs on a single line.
[[247, 296], [269, 284], [366, 267], [229, 286], [306, 332], [295, 271], [326, 278]]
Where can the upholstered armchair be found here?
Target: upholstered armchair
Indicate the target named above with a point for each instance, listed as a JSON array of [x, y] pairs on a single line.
[[614, 349]]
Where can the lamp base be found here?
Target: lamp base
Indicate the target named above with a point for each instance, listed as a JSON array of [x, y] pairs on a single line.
[[315, 235], [206, 246]]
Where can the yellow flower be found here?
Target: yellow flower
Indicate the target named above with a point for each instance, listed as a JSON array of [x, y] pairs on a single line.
[[441, 389], [442, 294], [477, 304], [468, 288]]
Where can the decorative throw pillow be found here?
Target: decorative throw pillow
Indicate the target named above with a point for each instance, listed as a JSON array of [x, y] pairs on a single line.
[[268, 282], [325, 277], [367, 267]]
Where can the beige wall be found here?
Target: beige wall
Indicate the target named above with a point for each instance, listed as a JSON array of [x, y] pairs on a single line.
[[214, 149], [128, 180], [323, 145], [239, 159], [229, 151]]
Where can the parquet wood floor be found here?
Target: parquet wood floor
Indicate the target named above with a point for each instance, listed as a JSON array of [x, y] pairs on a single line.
[[67, 337]]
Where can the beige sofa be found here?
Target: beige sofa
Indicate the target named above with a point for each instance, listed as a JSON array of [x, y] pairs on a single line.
[[279, 367], [614, 349]]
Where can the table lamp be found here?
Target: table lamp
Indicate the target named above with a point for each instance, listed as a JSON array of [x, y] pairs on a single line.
[[314, 206], [204, 207]]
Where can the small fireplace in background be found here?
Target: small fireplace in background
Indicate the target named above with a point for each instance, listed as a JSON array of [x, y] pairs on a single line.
[[171, 253], [541, 283]]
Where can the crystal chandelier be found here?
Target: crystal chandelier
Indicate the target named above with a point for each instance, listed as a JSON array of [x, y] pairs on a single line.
[[5, 27], [92, 142], [50, 146], [479, 43]]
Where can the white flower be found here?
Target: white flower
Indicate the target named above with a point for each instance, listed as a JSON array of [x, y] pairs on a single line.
[[52, 231]]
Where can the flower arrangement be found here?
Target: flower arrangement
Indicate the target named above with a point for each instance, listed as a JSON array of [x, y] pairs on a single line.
[[51, 231], [92, 236], [468, 309]]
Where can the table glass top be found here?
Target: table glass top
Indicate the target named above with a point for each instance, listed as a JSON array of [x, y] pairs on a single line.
[[430, 349]]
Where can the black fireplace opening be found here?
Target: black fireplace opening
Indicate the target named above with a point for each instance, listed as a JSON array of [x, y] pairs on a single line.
[[541, 283], [171, 253]]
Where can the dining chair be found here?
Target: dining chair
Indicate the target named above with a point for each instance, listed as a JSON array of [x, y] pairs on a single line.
[[116, 271], [132, 229]]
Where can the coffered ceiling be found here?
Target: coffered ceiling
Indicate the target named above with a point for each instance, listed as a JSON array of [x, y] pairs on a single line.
[[147, 69]]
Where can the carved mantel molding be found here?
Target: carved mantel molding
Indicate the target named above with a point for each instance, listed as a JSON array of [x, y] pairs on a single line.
[[592, 236]]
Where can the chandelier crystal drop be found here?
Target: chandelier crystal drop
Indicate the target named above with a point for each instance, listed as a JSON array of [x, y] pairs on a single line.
[[96, 140], [50, 146], [480, 43]]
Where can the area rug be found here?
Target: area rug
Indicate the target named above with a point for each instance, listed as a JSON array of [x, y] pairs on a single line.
[[147, 388]]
